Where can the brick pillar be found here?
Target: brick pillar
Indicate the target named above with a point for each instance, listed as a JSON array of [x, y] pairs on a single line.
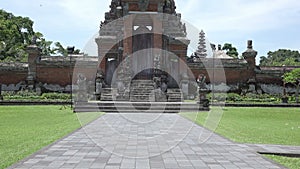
[[250, 56], [105, 49], [33, 54], [158, 31], [127, 42]]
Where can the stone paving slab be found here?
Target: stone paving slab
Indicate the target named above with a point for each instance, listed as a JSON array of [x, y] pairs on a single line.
[[144, 141]]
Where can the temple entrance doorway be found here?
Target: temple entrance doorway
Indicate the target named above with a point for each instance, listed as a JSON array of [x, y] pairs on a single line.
[[142, 46]]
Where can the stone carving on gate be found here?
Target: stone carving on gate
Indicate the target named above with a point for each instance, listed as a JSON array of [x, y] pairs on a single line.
[[143, 5]]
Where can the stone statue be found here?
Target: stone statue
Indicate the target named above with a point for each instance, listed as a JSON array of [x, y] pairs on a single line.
[[203, 91], [170, 6], [101, 24], [82, 88], [157, 63], [184, 29], [157, 82], [33, 40], [143, 4], [99, 83], [168, 3], [201, 81], [81, 82], [160, 90], [164, 86], [184, 85], [38, 89]]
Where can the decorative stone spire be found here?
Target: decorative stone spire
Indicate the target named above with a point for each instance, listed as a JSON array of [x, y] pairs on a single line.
[[250, 46], [202, 52]]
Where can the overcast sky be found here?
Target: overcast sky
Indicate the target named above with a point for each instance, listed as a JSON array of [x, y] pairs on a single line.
[[271, 24]]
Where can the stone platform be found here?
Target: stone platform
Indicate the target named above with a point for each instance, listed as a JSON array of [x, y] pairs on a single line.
[[138, 107]]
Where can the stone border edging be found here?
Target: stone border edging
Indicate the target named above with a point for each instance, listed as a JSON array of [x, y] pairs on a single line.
[[257, 105], [24, 103], [28, 103]]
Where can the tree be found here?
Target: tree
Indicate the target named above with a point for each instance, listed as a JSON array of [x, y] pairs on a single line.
[[293, 77], [59, 49], [230, 50], [281, 57], [15, 34], [44, 45]]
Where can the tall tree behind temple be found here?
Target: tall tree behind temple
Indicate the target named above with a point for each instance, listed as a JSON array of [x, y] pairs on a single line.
[[281, 57], [16, 33]]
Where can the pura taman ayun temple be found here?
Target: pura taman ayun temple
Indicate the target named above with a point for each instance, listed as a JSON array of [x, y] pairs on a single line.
[[149, 33], [142, 56], [143, 46]]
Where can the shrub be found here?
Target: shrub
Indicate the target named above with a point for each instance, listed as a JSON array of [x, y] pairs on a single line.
[[217, 96], [25, 95], [234, 97], [56, 96]]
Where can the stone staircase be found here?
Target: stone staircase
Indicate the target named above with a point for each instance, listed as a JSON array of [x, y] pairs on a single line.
[[141, 99], [142, 91], [174, 95], [107, 94]]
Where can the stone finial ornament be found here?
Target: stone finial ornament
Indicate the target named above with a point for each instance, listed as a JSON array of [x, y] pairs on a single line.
[[250, 44]]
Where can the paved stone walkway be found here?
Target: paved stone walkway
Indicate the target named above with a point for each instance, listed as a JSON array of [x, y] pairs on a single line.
[[144, 141]]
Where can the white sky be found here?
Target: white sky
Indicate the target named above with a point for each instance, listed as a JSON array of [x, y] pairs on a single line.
[[271, 24]]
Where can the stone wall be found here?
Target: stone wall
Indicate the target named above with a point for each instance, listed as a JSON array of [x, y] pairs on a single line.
[[235, 70], [53, 73]]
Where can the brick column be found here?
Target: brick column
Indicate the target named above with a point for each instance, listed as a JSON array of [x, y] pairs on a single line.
[[250, 56], [106, 46], [33, 54], [128, 26]]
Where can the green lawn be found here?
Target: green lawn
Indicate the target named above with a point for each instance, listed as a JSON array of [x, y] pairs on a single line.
[[292, 163], [256, 125], [26, 129]]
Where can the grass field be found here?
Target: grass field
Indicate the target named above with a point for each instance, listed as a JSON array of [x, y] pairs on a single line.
[[292, 163], [258, 126], [26, 129]]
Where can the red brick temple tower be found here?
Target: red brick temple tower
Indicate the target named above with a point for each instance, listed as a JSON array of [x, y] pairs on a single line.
[[150, 32]]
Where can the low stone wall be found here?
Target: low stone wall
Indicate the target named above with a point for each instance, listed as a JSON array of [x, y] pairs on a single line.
[[235, 70], [56, 73]]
